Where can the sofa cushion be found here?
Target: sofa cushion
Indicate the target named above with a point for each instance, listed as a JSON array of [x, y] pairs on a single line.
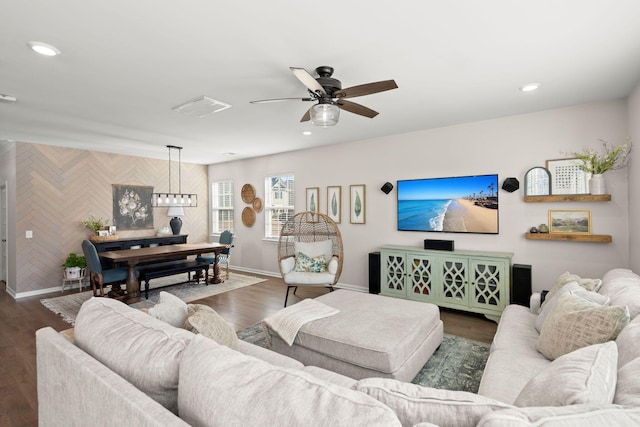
[[413, 403], [516, 330], [170, 309], [587, 375], [627, 341], [241, 390], [623, 287], [628, 386], [206, 321], [304, 278], [575, 322], [503, 379], [566, 277], [143, 350], [564, 416]]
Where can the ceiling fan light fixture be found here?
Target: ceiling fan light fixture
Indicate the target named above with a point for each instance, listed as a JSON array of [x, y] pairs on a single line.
[[324, 115]]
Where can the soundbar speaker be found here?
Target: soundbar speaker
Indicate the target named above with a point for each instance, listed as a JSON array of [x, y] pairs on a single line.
[[520, 284], [374, 272], [439, 245]]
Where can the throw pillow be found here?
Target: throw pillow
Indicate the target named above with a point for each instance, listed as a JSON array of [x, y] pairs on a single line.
[[564, 416], [222, 386], [314, 249], [566, 277], [575, 322], [550, 303], [413, 404], [206, 321], [587, 375], [170, 309], [305, 263]]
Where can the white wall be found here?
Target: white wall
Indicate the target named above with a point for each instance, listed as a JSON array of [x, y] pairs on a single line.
[[508, 146], [634, 180]]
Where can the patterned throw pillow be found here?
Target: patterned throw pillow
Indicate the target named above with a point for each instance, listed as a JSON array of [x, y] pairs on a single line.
[[305, 263]]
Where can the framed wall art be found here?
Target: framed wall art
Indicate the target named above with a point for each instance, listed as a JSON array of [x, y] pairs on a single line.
[[132, 207], [334, 203], [567, 176], [313, 203], [570, 221], [358, 205]]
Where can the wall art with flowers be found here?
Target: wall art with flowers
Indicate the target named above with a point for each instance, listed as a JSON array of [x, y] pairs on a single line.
[[132, 206]]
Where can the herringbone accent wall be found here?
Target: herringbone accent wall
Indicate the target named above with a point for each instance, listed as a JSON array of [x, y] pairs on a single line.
[[58, 188]]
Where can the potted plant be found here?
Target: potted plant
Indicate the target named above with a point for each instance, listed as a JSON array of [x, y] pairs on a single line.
[[95, 224], [73, 266], [597, 164]]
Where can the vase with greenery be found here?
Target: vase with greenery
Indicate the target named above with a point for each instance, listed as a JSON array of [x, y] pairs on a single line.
[[95, 224], [595, 163], [73, 265]]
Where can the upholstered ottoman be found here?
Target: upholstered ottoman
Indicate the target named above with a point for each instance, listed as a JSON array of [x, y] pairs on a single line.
[[371, 336]]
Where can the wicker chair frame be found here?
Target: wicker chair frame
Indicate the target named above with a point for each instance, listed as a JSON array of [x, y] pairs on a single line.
[[309, 227]]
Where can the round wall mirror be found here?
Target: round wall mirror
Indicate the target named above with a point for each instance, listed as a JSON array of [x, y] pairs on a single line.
[[537, 182]]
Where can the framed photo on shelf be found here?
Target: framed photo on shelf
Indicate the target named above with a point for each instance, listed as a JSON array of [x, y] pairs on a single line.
[[334, 203], [358, 205], [567, 176], [570, 221], [313, 203]]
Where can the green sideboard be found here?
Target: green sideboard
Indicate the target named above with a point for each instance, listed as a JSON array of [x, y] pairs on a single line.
[[474, 281]]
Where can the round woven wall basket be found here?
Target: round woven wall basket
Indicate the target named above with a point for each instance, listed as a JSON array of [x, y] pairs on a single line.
[[248, 193], [248, 216], [257, 204]]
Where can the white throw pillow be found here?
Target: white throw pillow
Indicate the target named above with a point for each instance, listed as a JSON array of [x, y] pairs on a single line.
[[206, 321], [550, 303], [564, 416], [575, 322], [333, 265], [314, 249], [170, 309], [413, 404], [587, 375], [566, 277], [628, 386]]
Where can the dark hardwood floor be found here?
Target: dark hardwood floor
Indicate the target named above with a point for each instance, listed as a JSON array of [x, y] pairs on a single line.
[[242, 307]]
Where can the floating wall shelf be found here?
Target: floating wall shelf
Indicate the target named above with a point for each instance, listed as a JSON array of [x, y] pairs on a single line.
[[597, 238], [569, 198]]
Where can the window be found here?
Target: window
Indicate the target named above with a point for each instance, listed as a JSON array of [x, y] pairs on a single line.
[[221, 206], [279, 203]]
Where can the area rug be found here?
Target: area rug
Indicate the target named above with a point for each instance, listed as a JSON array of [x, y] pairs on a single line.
[[67, 306], [457, 365]]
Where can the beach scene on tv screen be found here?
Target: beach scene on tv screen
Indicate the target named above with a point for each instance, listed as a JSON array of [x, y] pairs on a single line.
[[466, 204]]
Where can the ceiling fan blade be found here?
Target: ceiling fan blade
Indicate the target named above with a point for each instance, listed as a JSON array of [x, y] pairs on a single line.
[[366, 89], [308, 80], [352, 107], [307, 116], [265, 101]]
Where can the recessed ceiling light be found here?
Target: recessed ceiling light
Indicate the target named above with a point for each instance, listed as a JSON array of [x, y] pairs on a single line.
[[530, 87], [306, 132], [44, 48], [229, 153]]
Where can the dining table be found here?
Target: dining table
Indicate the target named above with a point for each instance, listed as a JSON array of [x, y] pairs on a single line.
[[134, 257]]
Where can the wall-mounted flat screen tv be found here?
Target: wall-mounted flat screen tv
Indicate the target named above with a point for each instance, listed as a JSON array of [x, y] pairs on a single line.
[[462, 204]]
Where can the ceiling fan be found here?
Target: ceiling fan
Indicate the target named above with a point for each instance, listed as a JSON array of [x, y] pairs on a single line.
[[331, 98]]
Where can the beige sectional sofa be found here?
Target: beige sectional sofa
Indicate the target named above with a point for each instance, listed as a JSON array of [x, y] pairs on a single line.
[[126, 367]]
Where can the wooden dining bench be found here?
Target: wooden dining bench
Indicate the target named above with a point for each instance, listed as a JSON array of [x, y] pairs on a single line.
[[169, 268]]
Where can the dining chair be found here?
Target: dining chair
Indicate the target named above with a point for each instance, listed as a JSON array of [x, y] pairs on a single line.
[[99, 276], [224, 257]]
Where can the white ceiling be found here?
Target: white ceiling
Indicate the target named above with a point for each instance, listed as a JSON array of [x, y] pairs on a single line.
[[125, 64]]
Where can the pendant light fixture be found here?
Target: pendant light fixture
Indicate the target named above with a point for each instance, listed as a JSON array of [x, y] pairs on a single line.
[[169, 198]]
